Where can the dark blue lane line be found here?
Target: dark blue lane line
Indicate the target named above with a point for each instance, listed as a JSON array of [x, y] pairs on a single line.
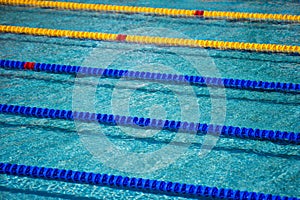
[[200, 81], [155, 141], [132, 183], [140, 122]]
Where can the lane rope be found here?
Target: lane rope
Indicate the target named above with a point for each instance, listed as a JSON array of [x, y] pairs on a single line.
[[160, 41], [154, 11], [141, 184], [149, 76], [138, 122]]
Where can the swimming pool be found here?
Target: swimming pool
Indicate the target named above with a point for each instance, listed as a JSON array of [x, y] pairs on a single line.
[[241, 164]]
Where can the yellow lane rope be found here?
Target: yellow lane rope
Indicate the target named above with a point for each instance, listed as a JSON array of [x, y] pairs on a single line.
[[223, 45], [149, 10]]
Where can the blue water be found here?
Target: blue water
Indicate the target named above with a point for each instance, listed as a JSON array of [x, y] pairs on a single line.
[[259, 166]]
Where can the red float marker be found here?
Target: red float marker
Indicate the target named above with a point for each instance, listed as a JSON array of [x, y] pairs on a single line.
[[199, 13], [121, 37], [29, 65]]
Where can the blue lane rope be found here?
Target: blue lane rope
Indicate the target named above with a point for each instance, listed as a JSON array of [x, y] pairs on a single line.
[[171, 78], [190, 127], [120, 182]]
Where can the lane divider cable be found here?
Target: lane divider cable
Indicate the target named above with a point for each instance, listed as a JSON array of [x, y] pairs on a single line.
[[160, 41], [137, 122], [154, 11], [199, 81]]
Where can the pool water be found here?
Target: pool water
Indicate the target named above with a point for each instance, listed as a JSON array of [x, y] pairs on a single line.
[[260, 166]]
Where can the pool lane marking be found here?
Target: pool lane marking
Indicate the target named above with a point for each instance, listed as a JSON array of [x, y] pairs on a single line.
[[154, 11], [133, 183], [150, 123], [200, 81], [160, 41]]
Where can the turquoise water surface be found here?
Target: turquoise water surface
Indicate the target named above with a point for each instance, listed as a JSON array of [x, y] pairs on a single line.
[[259, 166]]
